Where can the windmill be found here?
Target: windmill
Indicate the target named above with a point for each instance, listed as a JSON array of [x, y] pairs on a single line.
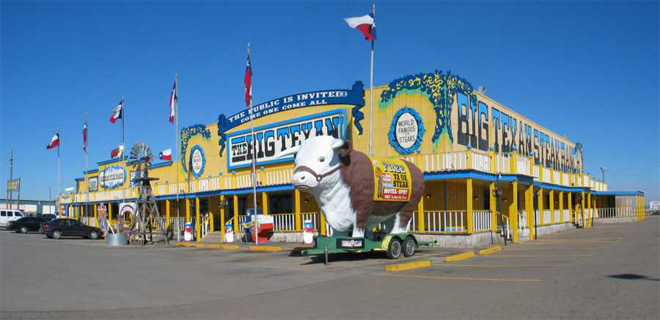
[[146, 217]]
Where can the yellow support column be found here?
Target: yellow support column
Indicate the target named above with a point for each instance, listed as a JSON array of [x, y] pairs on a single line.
[[470, 221], [642, 198], [584, 220], [198, 223], [264, 203], [570, 207], [167, 213], [514, 163], [236, 227], [493, 207], [513, 211], [296, 204], [96, 217], [540, 201], [222, 216], [529, 207], [591, 211], [421, 224], [552, 206], [561, 207], [322, 228], [493, 165], [110, 212], [468, 159], [595, 208]]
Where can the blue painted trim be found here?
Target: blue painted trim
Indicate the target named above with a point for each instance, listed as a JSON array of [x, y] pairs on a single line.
[[79, 179], [560, 188], [112, 160], [471, 174], [342, 134], [161, 164], [91, 171], [619, 193], [201, 171]]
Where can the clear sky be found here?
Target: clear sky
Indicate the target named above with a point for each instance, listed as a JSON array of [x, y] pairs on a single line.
[[589, 70]]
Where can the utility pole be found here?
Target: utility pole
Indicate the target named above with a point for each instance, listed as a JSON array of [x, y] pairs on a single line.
[[11, 177], [602, 170]]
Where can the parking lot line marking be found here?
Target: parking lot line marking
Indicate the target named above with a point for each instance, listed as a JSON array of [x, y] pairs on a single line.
[[408, 266], [457, 278], [540, 256], [547, 249], [265, 248], [189, 244], [460, 256], [490, 250], [503, 265]]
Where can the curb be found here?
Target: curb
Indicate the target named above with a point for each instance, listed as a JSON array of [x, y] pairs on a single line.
[[265, 248], [223, 246], [490, 250], [190, 244], [408, 266], [460, 256]]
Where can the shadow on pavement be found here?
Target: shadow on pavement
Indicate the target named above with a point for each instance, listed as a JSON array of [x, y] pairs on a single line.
[[631, 276]]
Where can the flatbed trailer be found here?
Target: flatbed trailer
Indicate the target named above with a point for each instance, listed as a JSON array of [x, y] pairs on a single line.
[[393, 245]]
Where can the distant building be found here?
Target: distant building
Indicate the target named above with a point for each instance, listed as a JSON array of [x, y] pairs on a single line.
[[35, 207]]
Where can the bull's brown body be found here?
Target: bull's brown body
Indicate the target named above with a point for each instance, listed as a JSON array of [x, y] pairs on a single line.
[[357, 173]]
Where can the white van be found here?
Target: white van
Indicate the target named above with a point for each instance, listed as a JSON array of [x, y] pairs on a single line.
[[7, 215]]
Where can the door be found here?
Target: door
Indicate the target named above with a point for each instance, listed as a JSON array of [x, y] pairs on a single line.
[[3, 218]]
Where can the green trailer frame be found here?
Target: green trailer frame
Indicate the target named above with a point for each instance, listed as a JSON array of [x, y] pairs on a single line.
[[394, 245]]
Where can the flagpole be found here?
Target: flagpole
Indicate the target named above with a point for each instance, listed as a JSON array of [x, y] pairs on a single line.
[[59, 171], [176, 157], [371, 92], [254, 161], [123, 120], [85, 174]]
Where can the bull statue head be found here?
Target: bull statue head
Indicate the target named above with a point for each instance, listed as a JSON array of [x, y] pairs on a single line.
[[317, 162]]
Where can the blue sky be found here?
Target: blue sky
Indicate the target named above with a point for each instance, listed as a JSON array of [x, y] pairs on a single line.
[[589, 70]]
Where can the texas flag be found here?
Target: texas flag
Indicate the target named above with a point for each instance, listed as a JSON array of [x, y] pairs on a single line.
[[165, 155], [118, 112], [366, 24], [85, 137], [116, 153], [248, 80], [173, 98], [54, 141]]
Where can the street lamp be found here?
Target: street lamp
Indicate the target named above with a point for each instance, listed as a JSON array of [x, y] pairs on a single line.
[[602, 170]]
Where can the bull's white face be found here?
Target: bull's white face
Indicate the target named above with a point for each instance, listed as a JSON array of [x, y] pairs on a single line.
[[318, 154]]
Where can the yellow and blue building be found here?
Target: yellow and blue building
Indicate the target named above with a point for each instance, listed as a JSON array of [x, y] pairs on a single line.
[[487, 168]]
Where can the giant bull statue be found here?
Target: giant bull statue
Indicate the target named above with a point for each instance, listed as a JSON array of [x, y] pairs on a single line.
[[343, 182]]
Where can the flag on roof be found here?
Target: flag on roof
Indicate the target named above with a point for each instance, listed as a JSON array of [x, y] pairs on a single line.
[[116, 153], [165, 155], [247, 79], [54, 141], [174, 97], [118, 112], [366, 24], [85, 137]]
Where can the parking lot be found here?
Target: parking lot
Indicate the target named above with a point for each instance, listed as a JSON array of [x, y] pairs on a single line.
[[610, 271]]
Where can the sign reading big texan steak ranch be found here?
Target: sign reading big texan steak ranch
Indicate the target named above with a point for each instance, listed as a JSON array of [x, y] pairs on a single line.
[[271, 140], [392, 180]]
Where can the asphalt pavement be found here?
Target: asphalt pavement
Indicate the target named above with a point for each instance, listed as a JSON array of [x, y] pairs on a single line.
[[610, 271]]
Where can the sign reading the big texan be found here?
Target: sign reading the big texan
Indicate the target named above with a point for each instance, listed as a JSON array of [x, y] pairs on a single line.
[[353, 96], [273, 139]]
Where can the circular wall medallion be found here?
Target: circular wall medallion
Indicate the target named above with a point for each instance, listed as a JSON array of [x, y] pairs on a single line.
[[406, 131], [197, 161]]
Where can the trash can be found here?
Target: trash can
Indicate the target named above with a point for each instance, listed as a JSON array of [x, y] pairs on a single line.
[[189, 232], [308, 232], [229, 232]]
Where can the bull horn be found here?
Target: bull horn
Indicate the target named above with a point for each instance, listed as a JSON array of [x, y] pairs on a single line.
[[291, 151], [337, 143]]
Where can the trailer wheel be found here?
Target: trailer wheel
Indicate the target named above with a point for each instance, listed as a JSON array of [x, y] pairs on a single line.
[[409, 246], [394, 249]]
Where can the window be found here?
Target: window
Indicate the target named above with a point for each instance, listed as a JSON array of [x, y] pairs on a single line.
[[18, 214], [10, 213], [3, 213]]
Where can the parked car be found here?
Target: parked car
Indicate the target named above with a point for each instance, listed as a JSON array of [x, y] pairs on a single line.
[[68, 227], [8, 216], [49, 216], [27, 224]]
